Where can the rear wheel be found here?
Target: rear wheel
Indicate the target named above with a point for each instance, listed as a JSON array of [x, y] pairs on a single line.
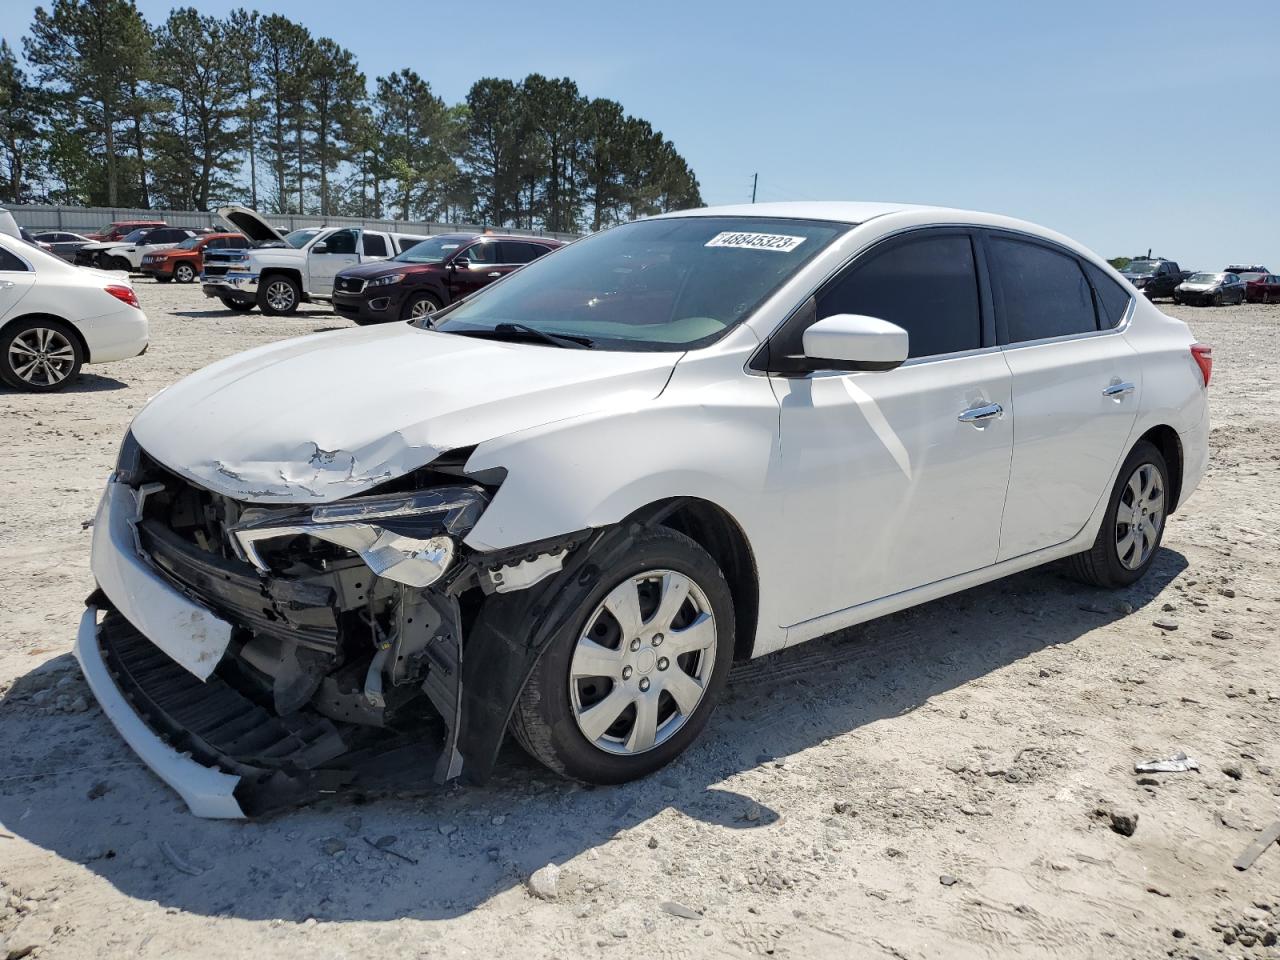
[[1133, 525], [632, 685], [39, 355], [278, 296], [161, 278], [184, 273]]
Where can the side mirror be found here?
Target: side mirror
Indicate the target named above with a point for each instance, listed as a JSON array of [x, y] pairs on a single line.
[[848, 341], [460, 263], [320, 247]]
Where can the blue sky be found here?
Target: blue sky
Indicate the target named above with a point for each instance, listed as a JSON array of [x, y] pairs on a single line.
[[1124, 126]]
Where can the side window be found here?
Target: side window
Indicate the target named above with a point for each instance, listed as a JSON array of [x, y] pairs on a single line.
[[236, 243], [375, 245], [514, 251], [926, 285], [343, 241], [1041, 293], [404, 243], [482, 252], [168, 236], [10, 262], [216, 243], [1113, 300]]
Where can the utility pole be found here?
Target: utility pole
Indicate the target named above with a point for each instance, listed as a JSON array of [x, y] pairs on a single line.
[[755, 180]]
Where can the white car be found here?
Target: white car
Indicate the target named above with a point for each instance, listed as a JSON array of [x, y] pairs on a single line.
[[279, 272], [54, 317], [128, 256], [565, 505]]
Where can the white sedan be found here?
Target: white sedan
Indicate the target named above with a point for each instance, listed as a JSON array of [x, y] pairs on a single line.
[[54, 317], [562, 507]]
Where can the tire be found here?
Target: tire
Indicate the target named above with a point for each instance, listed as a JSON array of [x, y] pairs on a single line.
[[278, 295], [236, 306], [551, 716], [1110, 562], [184, 273], [1217, 299], [421, 305], [161, 278], [1176, 301], [119, 263], [39, 355]]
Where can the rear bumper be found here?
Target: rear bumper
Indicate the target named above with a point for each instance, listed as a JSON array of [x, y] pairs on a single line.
[[118, 335]]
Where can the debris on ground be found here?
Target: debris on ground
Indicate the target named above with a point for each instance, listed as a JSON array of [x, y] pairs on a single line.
[[544, 882], [1122, 822], [179, 864], [1178, 763], [680, 910], [1252, 852]]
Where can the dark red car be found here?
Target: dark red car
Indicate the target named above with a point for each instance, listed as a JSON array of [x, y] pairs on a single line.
[[119, 229], [1261, 287], [431, 275]]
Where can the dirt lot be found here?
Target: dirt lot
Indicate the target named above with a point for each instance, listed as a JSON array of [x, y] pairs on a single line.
[[935, 784]]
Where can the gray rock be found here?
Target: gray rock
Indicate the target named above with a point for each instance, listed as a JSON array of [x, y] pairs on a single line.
[[544, 882], [333, 846], [1165, 623], [1233, 770], [947, 880], [680, 910], [1227, 592]]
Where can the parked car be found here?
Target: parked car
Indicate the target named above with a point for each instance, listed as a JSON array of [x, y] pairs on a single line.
[[91, 254], [1155, 277], [119, 229], [63, 243], [1210, 289], [128, 256], [184, 262], [565, 505], [431, 275], [279, 272], [1241, 268], [1262, 288], [55, 318]]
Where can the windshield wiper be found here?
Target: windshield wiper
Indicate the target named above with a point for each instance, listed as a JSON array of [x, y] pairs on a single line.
[[522, 331]]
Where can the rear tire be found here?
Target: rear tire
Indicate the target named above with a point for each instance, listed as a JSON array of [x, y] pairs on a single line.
[[161, 278], [278, 295], [39, 355], [649, 669], [1130, 536], [236, 306]]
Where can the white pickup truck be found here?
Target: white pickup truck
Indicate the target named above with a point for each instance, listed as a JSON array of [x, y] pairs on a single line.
[[280, 271]]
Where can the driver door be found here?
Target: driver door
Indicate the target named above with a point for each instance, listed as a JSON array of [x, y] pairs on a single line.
[[339, 253], [896, 479]]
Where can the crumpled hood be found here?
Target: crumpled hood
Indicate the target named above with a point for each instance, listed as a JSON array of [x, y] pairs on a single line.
[[327, 416]]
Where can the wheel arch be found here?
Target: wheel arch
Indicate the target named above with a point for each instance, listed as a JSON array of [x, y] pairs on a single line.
[[293, 273], [41, 315], [1165, 439]]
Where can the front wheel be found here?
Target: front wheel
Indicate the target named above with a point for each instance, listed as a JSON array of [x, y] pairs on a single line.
[[1217, 299], [420, 306], [184, 273], [39, 355], [278, 296], [632, 684], [1133, 524]]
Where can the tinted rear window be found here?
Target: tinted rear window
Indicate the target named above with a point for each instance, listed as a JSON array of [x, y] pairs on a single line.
[[1041, 293], [1113, 299]]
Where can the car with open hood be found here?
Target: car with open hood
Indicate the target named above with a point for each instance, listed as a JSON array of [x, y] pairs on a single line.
[[1210, 290], [432, 274], [280, 271], [562, 507]]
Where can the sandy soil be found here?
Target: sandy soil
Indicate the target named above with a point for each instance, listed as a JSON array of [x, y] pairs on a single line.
[[928, 785]]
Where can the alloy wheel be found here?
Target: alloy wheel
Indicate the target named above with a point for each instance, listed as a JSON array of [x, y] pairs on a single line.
[[643, 662], [1139, 516], [280, 295], [41, 356], [421, 308], [184, 273]]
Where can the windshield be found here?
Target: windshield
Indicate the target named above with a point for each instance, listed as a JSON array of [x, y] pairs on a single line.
[[1204, 278], [135, 236], [189, 243], [299, 238], [665, 284], [433, 250], [1141, 268]]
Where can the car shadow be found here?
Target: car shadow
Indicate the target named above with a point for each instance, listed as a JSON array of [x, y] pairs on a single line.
[[73, 788], [84, 383]]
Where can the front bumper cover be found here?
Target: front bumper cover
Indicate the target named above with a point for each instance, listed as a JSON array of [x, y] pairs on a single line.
[[237, 284]]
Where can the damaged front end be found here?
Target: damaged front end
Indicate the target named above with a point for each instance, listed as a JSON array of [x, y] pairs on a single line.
[[295, 648]]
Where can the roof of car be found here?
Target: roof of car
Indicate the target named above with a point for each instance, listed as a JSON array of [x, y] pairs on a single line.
[[841, 211]]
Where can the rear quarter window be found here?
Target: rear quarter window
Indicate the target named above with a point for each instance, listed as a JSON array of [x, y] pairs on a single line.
[[1113, 299]]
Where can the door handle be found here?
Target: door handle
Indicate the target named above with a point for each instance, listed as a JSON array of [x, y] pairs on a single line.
[[979, 415], [495, 274], [5, 284], [1118, 390]]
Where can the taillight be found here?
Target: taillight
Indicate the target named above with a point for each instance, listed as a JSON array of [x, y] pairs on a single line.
[[123, 294], [1202, 354]]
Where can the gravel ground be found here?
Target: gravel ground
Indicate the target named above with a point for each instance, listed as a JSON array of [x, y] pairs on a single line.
[[939, 783]]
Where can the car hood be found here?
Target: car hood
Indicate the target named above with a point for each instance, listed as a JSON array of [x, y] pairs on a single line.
[[1197, 287], [324, 417], [378, 268], [250, 223]]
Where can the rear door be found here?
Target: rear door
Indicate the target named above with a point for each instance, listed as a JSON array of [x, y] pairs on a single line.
[[1076, 386], [16, 279]]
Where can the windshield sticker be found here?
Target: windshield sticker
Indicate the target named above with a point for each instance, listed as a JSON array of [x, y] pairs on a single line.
[[777, 242]]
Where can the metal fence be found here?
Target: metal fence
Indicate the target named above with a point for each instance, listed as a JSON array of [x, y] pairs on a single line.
[[39, 216]]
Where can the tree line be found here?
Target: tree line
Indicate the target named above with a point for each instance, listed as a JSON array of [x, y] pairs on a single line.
[[111, 110]]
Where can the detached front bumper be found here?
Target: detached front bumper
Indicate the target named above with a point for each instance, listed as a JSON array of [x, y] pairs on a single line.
[[235, 284]]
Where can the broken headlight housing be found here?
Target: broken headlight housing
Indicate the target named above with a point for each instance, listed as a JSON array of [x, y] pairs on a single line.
[[407, 537]]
